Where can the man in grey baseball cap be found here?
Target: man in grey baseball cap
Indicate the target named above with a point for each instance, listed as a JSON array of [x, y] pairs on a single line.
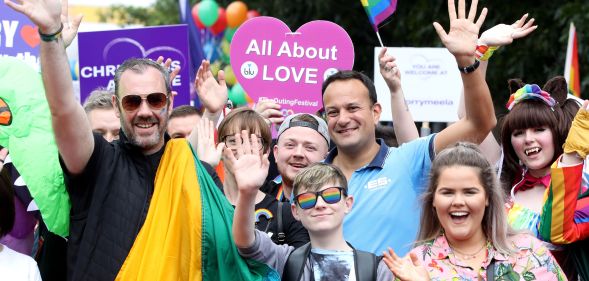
[[303, 139]]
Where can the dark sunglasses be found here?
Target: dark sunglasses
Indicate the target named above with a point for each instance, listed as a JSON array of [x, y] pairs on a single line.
[[154, 100], [330, 195]]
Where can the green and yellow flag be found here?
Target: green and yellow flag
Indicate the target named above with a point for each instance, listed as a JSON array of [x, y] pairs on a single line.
[[187, 233]]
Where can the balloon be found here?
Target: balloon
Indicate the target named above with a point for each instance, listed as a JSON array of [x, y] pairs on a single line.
[[252, 14], [237, 95], [229, 32], [229, 75], [210, 51], [215, 67], [226, 47], [236, 13], [195, 17], [208, 12], [221, 22]]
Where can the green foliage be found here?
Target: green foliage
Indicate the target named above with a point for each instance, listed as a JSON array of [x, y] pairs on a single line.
[[534, 59]]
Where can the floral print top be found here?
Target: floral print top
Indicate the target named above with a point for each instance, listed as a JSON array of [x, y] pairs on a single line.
[[532, 261]]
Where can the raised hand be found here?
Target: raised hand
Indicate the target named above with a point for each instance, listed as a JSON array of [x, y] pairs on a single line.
[[270, 111], [173, 72], [389, 70], [70, 27], [503, 34], [461, 40], [205, 148], [212, 94], [249, 164], [577, 140], [46, 14], [408, 268]]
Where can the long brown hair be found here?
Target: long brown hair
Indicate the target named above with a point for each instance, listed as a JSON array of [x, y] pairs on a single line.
[[534, 114], [494, 222]]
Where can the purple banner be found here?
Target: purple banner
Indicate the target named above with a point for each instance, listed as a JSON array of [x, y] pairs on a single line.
[[101, 52], [18, 36]]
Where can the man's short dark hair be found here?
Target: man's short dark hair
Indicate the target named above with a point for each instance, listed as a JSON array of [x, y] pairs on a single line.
[[184, 110], [100, 98], [344, 75], [6, 203], [139, 65]]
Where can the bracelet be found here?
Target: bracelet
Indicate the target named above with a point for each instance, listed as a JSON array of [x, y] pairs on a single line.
[[470, 68], [51, 37]]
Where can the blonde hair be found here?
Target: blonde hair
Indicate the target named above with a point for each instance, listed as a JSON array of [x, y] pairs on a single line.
[[316, 175], [495, 225]]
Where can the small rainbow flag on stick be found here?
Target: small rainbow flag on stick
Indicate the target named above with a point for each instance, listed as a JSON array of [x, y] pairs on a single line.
[[378, 11], [571, 68]]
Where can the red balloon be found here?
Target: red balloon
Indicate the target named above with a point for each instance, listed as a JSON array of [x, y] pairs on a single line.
[[197, 21], [220, 24], [252, 14]]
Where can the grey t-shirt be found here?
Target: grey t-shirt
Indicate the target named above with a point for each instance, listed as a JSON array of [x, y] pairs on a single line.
[[332, 265], [275, 256]]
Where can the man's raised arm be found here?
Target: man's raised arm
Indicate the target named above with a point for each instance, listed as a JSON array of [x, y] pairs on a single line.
[[73, 133]]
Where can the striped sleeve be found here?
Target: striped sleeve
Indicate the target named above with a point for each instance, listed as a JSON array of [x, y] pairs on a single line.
[[565, 214]]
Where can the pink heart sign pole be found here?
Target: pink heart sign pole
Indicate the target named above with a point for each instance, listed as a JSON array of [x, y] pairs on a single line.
[[272, 62]]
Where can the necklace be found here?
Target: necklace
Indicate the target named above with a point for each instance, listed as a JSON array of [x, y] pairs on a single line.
[[466, 256]]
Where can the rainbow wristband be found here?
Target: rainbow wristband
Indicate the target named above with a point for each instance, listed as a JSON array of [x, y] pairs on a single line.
[[484, 52]]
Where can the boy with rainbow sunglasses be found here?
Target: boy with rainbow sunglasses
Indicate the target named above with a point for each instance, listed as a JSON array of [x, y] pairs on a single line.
[[321, 203]]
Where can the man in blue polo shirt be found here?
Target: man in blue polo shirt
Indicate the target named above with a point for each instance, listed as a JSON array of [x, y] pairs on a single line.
[[387, 182]]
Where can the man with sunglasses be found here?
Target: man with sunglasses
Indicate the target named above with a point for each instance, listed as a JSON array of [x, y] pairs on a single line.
[[321, 203], [110, 185]]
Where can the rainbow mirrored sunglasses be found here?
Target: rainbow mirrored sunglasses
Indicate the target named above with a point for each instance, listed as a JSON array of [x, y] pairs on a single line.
[[330, 195]]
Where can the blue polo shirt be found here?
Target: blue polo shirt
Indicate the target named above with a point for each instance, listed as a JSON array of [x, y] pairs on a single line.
[[387, 192]]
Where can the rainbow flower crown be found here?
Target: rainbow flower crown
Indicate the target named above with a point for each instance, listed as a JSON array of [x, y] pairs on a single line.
[[530, 92]]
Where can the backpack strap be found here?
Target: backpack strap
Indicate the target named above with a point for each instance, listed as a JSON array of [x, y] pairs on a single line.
[[366, 265], [281, 236], [295, 263]]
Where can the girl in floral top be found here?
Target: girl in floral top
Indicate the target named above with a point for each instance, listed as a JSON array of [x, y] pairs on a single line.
[[464, 233]]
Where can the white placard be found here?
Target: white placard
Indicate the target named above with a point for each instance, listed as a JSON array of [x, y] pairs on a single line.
[[431, 83]]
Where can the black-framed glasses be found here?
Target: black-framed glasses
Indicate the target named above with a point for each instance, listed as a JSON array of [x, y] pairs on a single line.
[[330, 195], [231, 142], [155, 101]]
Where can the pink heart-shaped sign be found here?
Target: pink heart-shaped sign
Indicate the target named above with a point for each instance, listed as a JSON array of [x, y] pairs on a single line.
[[30, 35], [271, 62]]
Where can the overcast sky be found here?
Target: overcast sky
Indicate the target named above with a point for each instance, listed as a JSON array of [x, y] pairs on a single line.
[[140, 3]]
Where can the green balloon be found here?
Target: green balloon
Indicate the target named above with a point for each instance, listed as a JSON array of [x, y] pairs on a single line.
[[237, 95], [226, 47], [208, 12], [229, 32], [215, 67], [229, 75]]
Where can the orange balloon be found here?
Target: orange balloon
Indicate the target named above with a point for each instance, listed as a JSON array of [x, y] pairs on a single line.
[[236, 13]]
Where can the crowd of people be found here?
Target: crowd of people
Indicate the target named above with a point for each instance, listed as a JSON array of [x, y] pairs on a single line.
[[327, 199]]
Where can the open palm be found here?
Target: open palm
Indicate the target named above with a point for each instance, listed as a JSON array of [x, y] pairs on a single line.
[[461, 39], [211, 93]]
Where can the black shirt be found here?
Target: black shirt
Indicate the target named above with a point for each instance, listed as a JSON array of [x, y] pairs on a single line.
[[109, 204], [267, 221]]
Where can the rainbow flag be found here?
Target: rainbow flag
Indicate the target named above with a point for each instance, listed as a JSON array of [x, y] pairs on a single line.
[[565, 214], [379, 10], [571, 68], [187, 233]]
